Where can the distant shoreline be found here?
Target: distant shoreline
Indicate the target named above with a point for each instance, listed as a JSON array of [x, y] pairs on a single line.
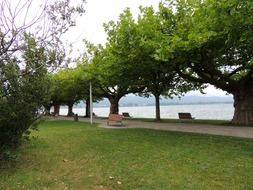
[[171, 104], [168, 104], [134, 101]]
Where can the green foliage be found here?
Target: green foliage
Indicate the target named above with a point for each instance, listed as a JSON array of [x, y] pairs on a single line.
[[157, 72], [213, 42], [72, 84], [67, 86], [118, 61], [133, 59], [28, 49], [23, 94], [115, 67]]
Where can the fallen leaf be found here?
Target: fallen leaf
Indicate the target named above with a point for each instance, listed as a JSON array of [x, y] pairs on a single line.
[[119, 182], [110, 177]]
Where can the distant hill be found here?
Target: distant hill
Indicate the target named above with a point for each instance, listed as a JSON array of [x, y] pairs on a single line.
[[141, 101]]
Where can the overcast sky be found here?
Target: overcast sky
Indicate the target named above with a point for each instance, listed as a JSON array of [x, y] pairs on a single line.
[[90, 26]]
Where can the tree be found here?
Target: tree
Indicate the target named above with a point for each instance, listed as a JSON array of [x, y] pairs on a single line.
[[47, 26], [213, 44], [22, 97], [67, 87], [115, 65], [29, 47], [62, 91], [85, 77], [55, 96], [158, 76]]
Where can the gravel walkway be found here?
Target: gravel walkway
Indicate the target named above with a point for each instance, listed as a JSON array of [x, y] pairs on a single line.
[[245, 132]]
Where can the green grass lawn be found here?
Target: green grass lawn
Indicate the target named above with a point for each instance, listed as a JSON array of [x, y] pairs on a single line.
[[75, 155]]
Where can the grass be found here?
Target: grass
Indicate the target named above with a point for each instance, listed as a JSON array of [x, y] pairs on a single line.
[[75, 155]]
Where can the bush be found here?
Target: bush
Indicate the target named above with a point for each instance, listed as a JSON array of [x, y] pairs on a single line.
[[23, 93]]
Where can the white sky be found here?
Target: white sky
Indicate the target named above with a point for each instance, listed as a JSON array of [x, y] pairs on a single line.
[[90, 26]]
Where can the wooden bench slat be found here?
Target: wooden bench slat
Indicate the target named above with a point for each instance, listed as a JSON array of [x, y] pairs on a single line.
[[115, 118]]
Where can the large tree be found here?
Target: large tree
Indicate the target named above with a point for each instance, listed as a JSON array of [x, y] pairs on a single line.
[[116, 65], [213, 44], [158, 75]]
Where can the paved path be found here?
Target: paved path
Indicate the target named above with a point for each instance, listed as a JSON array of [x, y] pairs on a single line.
[[245, 132]]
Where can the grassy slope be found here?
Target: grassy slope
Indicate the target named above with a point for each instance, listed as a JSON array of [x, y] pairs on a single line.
[[70, 155]]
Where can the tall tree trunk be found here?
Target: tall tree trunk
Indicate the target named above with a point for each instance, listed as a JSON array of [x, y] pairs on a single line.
[[87, 111], [48, 108], [157, 107], [70, 109], [243, 104], [56, 109], [114, 108]]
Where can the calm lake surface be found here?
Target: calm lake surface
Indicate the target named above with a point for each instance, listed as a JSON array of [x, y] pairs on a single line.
[[199, 111]]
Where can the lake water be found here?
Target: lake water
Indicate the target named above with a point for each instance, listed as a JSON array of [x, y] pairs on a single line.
[[198, 111]]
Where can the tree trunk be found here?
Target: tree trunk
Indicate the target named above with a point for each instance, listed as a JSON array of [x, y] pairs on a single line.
[[157, 107], [48, 108], [87, 111], [56, 109], [114, 108], [70, 109], [243, 104]]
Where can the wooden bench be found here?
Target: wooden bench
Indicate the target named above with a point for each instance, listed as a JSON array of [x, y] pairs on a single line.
[[185, 116], [126, 114], [115, 118]]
